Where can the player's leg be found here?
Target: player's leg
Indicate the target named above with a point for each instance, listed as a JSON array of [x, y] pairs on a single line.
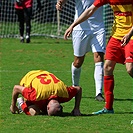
[[98, 74], [113, 47], [27, 107], [129, 68], [20, 14], [109, 83], [98, 43], [108, 87], [22, 106], [129, 58], [79, 46], [76, 70], [28, 16]]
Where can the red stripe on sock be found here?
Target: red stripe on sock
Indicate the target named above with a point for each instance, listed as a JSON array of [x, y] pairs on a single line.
[[25, 109]]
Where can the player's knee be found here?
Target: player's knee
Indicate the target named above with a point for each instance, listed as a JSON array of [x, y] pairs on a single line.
[[78, 62], [34, 110], [18, 89], [130, 71], [108, 69], [78, 88]]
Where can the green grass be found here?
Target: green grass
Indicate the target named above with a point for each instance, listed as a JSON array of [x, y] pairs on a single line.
[[56, 56]]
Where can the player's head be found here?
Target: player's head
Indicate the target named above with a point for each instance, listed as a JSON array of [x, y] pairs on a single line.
[[54, 108]]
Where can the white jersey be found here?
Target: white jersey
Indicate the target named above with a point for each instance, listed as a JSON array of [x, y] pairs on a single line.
[[95, 22]]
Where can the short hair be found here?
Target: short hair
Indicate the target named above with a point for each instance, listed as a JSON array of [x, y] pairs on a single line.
[[54, 108]]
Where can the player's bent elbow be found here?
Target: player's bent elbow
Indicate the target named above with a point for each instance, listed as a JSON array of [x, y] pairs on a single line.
[[18, 89]]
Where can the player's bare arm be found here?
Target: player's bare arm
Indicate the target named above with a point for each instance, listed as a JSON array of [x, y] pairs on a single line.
[[84, 16], [60, 4], [76, 110], [16, 91], [127, 37]]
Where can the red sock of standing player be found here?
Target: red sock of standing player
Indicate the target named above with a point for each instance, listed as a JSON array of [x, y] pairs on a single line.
[[25, 109], [108, 91]]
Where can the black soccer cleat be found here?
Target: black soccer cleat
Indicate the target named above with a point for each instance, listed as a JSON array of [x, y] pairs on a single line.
[[99, 97], [21, 39], [27, 39]]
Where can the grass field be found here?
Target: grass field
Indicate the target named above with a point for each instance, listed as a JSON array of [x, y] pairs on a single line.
[[56, 56]]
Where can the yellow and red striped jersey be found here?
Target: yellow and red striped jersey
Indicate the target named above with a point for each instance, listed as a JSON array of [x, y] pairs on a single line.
[[45, 84], [123, 16]]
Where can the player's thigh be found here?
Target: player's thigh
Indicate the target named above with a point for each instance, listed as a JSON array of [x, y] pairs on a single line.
[[129, 57], [20, 13], [129, 52], [81, 44], [34, 110], [98, 42], [114, 51], [28, 13]]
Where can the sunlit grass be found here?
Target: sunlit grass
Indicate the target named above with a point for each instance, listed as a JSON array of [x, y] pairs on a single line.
[[56, 56]]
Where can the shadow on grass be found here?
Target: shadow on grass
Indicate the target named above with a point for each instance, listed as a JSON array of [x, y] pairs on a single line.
[[36, 42], [116, 99], [66, 114], [123, 112]]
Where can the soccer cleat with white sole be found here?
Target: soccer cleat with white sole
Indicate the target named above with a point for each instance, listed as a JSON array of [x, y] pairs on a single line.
[[104, 111]]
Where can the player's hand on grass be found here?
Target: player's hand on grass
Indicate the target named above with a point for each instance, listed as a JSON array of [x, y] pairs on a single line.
[[76, 112], [14, 109], [68, 32]]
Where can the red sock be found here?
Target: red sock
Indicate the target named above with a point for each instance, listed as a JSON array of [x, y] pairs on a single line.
[[25, 109], [108, 91]]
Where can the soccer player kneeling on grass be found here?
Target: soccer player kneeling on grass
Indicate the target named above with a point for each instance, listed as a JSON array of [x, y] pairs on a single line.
[[42, 93]]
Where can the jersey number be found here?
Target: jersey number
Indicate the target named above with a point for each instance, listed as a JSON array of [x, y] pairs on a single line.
[[44, 78]]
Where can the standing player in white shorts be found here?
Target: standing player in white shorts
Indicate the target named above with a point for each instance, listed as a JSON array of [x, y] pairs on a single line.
[[88, 36]]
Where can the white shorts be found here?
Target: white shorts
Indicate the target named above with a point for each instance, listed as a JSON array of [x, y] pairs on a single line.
[[85, 41]]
